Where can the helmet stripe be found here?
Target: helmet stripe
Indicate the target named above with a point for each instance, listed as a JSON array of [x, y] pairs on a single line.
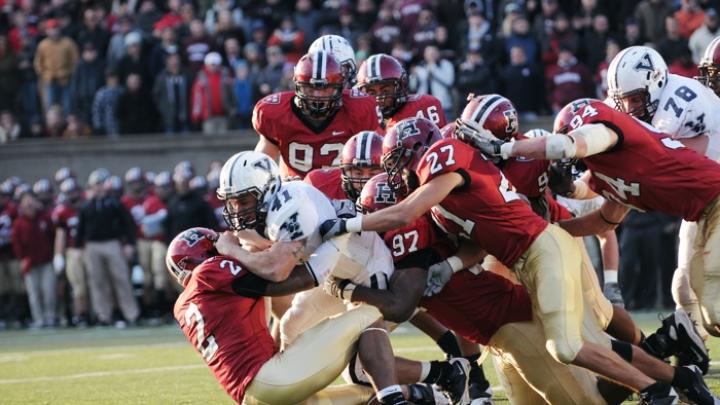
[[368, 146], [316, 66], [489, 103], [376, 66]]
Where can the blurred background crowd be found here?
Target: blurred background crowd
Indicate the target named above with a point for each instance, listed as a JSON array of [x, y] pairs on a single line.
[[110, 67]]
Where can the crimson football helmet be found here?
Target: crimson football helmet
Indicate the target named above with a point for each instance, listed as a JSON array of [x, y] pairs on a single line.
[[359, 161], [709, 66], [318, 80], [376, 195], [187, 250], [403, 147], [489, 112], [374, 76]]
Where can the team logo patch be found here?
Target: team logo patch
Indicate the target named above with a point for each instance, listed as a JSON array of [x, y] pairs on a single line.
[[191, 237], [512, 121], [578, 104], [645, 63], [272, 99], [384, 194], [408, 129]]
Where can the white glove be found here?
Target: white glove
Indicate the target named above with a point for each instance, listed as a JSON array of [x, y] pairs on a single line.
[[58, 263], [440, 273]]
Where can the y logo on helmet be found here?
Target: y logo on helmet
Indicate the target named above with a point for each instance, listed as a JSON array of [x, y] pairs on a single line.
[[512, 121], [263, 164], [191, 238], [645, 63], [384, 194]]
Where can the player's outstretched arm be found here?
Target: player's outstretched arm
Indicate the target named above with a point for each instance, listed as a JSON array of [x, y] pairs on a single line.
[[265, 146], [606, 218], [587, 140], [273, 264]]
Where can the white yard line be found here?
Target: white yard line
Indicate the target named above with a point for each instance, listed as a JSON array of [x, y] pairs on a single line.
[[100, 374], [84, 349]]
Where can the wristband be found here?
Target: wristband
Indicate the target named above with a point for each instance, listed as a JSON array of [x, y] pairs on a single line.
[[506, 150], [354, 224], [455, 263]]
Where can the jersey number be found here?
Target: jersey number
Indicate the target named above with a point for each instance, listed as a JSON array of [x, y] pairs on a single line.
[[577, 120], [206, 346], [433, 159], [301, 155], [399, 240], [684, 93], [234, 269], [431, 113]]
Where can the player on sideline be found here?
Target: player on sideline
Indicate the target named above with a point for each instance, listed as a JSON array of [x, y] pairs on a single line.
[[383, 77], [470, 197]]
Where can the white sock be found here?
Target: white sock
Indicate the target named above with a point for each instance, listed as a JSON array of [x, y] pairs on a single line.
[[610, 276], [425, 370]]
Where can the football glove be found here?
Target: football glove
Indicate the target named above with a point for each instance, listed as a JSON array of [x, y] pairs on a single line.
[[340, 288], [560, 178], [332, 228], [438, 275], [483, 140]]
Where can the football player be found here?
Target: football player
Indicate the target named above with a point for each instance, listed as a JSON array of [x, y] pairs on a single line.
[[384, 77], [470, 197], [222, 314], [640, 85], [709, 66], [308, 127], [623, 156], [341, 49], [491, 310]]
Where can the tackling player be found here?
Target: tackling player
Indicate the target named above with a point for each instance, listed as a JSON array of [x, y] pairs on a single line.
[[383, 77], [709, 66], [470, 197], [308, 127]]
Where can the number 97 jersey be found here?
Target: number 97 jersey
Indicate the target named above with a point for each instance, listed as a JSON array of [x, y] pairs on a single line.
[[305, 146]]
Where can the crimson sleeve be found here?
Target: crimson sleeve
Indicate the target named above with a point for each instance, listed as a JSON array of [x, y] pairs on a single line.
[[446, 156]]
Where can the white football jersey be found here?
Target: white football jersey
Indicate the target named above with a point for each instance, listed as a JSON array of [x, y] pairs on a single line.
[[688, 109]]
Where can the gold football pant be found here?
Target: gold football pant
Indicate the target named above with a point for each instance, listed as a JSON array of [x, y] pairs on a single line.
[[683, 294], [75, 271], [705, 267], [595, 301], [551, 271], [312, 362]]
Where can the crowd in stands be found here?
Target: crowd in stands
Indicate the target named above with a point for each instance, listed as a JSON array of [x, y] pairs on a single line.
[[111, 67]]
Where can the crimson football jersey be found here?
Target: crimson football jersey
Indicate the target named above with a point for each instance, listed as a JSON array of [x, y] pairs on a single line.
[[421, 234], [304, 146], [487, 208], [648, 170], [228, 330], [329, 181], [151, 206], [65, 217], [530, 178], [135, 208], [419, 105]]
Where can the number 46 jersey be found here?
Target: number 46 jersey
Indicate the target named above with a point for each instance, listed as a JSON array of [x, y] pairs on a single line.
[[647, 170]]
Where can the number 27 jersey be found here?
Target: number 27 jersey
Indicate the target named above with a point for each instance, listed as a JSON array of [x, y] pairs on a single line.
[[486, 208]]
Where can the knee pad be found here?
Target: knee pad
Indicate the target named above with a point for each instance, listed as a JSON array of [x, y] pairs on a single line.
[[354, 373], [563, 351]]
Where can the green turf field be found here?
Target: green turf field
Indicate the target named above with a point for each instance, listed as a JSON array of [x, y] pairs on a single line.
[[153, 366]]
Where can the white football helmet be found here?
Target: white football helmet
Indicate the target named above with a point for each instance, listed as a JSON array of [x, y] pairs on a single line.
[[636, 78], [248, 182], [537, 133], [341, 49]]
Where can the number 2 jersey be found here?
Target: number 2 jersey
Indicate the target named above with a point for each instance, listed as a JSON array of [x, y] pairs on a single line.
[[648, 170], [303, 145], [228, 330], [486, 208]]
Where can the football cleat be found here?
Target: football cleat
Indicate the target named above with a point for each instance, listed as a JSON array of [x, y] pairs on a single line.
[[611, 291], [678, 336], [480, 394], [425, 394], [698, 392], [455, 384], [658, 394]]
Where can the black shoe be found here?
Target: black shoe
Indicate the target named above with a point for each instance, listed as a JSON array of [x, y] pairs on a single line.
[[480, 393], [455, 384], [698, 392], [658, 394], [678, 336], [424, 394]]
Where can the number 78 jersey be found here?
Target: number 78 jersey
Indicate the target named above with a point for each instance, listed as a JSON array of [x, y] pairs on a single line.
[[647, 170], [486, 208]]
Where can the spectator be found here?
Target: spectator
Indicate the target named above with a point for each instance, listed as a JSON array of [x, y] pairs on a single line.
[[196, 46], [212, 96], [136, 111], [9, 128], [259, 36], [172, 19], [212, 15], [168, 45], [349, 28], [270, 78], [134, 61], [595, 42], [254, 59], [542, 25], [11, 282], [474, 75], [107, 233], [363, 50], [76, 128], [289, 39], [408, 12], [233, 53], [85, 82], [9, 75], [22, 32], [187, 209], [105, 106], [54, 121], [567, 80], [522, 83], [521, 37], [92, 32], [651, 16], [633, 35], [116, 47], [611, 49], [243, 92], [436, 77], [424, 33], [55, 60], [702, 36], [477, 34], [689, 18], [171, 94], [588, 10], [672, 45], [561, 35], [683, 64], [32, 239], [306, 19], [148, 16], [226, 29], [365, 14], [385, 32], [27, 80]]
